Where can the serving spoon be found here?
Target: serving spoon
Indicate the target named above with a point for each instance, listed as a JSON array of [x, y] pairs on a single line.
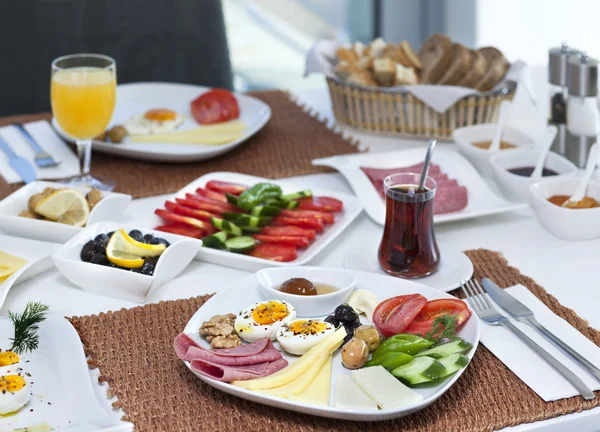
[[547, 140], [504, 111], [593, 159], [428, 155]]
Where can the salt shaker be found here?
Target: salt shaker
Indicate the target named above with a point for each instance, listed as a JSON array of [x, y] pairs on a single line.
[[583, 116], [557, 76]]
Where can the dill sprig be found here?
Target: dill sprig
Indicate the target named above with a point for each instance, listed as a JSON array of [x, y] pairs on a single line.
[[443, 327], [26, 326]]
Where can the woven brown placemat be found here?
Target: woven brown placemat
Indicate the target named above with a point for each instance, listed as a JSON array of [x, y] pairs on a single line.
[[285, 147], [133, 349]]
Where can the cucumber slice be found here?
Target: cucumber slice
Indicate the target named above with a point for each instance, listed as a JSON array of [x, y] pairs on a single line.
[[231, 199], [241, 244], [420, 370], [227, 226], [215, 241], [444, 350], [288, 205], [454, 363], [297, 195], [231, 216], [247, 221], [265, 210]]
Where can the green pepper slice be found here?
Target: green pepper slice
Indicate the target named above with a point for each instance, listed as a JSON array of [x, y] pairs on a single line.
[[390, 360], [257, 194], [404, 343]]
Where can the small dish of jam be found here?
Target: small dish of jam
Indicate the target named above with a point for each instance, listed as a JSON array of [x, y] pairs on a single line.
[[485, 145], [528, 170], [304, 287], [585, 203]]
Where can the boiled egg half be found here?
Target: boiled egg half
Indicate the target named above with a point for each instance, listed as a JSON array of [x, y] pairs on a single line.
[[299, 336], [154, 121], [263, 319], [14, 393], [9, 363]]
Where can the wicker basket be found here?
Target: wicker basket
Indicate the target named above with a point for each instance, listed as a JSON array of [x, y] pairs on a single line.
[[398, 112]]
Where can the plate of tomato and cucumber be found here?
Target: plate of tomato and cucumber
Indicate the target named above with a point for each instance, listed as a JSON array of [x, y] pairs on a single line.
[[249, 222]]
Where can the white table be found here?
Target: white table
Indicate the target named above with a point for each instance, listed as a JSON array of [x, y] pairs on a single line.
[[567, 270]]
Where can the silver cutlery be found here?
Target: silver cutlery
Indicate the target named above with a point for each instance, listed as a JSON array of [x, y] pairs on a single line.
[[21, 165], [42, 159], [523, 314], [478, 300]]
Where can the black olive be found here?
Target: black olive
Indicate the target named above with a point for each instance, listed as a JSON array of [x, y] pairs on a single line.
[[99, 258], [163, 241], [87, 251], [347, 338], [351, 326], [149, 238], [154, 241], [151, 260], [147, 269], [136, 270], [136, 235], [102, 240], [333, 320], [109, 234], [345, 314]]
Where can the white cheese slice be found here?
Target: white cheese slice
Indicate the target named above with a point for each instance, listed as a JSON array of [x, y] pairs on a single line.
[[384, 389], [349, 396]]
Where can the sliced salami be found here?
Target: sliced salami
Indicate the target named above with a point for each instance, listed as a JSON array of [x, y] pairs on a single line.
[[240, 373]]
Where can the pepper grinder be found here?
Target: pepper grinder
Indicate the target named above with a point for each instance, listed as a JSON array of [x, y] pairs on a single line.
[[583, 116], [557, 76]]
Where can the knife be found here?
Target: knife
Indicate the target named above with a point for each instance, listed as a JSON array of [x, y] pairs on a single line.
[[21, 165], [523, 314]]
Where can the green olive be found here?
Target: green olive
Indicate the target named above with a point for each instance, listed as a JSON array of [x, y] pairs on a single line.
[[355, 353], [93, 197], [117, 134], [370, 335]]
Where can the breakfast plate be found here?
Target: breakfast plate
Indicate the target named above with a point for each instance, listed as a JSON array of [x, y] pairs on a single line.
[[137, 98], [247, 291], [342, 219], [455, 267], [480, 200]]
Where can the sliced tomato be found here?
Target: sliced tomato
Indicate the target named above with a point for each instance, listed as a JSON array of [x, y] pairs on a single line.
[[181, 229], [225, 206], [321, 204], [170, 217], [394, 315], [289, 231], [300, 242], [274, 252], [423, 322], [200, 205], [328, 218], [212, 195], [225, 187], [312, 223], [191, 212], [215, 106]]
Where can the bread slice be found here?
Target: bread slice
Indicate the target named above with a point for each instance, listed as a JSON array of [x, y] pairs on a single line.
[[344, 69], [375, 48], [363, 78], [359, 49], [411, 55], [365, 63], [396, 53], [385, 71], [461, 62], [475, 73], [405, 76], [436, 55], [497, 66], [346, 54]]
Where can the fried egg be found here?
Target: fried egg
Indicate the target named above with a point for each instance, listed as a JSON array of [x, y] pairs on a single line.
[[9, 363], [263, 319], [299, 336], [154, 121], [14, 393]]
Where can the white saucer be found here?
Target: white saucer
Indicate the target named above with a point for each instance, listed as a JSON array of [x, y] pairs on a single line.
[[455, 267]]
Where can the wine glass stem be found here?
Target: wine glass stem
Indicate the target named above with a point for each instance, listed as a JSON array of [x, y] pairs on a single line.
[[84, 151]]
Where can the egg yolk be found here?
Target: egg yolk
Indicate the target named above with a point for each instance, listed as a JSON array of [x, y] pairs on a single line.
[[308, 327], [8, 358], [11, 383], [160, 114], [270, 312]]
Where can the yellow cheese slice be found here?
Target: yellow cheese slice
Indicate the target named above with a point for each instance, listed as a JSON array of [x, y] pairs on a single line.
[[317, 353], [301, 383], [9, 264], [317, 393], [222, 133]]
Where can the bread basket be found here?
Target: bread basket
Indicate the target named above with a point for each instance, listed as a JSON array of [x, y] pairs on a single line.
[[396, 111]]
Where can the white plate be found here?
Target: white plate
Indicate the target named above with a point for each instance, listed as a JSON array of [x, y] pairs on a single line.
[[137, 98], [482, 201], [245, 292], [62, 391], [110, 208], [36, 252], [455, 267], [352, 208]]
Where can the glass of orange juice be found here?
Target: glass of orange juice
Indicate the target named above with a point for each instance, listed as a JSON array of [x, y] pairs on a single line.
[[83, 94]]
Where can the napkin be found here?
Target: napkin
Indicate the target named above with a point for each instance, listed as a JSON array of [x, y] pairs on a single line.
[[530, 368], [321, 59], [47, 138]]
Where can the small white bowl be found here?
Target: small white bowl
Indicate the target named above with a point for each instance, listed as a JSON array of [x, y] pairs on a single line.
[[116, 282], [270, 279], [109, 208], [567, 224], [480, 158], [516, 187]]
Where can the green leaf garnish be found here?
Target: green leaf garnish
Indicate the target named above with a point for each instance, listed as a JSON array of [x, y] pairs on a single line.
[[443, 327], [26, 326]]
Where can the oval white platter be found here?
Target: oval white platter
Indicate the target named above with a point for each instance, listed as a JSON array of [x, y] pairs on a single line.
[[246, 292], [137, 98]]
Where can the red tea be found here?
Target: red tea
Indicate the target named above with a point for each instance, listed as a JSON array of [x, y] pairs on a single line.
[[408, 248]]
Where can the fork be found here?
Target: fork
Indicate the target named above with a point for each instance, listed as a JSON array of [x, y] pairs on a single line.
[[479, 302], [42, 159]]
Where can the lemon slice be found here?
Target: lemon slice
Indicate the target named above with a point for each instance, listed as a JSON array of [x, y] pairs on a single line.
[[66, 206], [127, 252]]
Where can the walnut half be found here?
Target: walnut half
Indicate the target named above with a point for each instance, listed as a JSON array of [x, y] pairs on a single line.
[[220, 332]]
